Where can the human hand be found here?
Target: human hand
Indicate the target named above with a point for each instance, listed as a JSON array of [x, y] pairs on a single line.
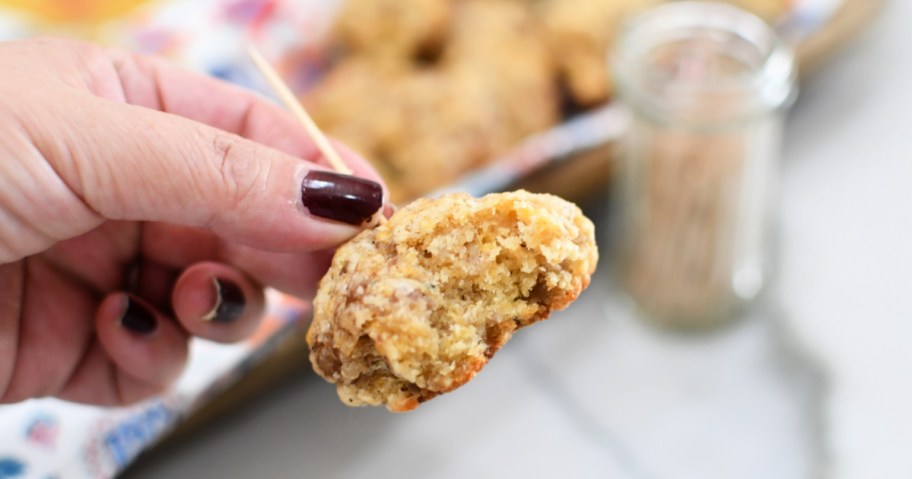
[[141, 204]]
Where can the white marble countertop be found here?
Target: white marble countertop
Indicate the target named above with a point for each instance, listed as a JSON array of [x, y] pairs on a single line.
[[815, 384]]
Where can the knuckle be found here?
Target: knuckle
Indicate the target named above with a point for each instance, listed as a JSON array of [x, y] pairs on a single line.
[[241, 169]]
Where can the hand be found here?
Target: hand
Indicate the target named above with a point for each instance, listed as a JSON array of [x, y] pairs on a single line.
[[141, 204]]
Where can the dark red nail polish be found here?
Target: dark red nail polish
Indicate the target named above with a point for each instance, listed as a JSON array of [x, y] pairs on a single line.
[[339, 197], [138, 319], [229, 302]]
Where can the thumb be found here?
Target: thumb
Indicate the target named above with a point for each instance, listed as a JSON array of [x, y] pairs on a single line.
[[132, 163]]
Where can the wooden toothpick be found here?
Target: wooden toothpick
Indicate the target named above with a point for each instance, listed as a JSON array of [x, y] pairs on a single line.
[[294, 106]]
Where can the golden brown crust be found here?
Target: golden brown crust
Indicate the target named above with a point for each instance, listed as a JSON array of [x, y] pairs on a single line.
[[416, 307]]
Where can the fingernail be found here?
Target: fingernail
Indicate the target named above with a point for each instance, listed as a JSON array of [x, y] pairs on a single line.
[[229, 302], [137, 318], [339, 197]]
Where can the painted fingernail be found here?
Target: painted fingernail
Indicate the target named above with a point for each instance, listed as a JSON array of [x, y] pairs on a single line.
[[137, 318], [339, 197], [229, 302]]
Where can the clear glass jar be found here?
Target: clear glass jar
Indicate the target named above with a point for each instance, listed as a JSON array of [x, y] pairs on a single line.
[[707, 86]]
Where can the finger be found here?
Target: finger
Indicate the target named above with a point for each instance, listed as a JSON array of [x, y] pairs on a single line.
[[12, 283], [359, 165], [155, 83], [100, 382], [155, 282], [52, 334], [98, 258], [179, 247], [140, 164], [217, 302], [144, 345]]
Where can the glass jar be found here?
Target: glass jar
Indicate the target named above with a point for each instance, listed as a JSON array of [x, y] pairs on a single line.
[[707, 86]]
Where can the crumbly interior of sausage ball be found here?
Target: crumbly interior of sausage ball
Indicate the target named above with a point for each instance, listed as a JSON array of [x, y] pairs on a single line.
[[414, 308]]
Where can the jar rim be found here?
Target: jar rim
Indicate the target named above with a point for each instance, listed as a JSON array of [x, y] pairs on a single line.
[[770, 84]]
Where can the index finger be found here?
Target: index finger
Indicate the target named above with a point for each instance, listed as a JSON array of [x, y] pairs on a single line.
[[155, 83]]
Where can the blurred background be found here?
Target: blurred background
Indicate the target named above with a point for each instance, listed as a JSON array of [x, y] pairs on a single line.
[[751, 312]]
